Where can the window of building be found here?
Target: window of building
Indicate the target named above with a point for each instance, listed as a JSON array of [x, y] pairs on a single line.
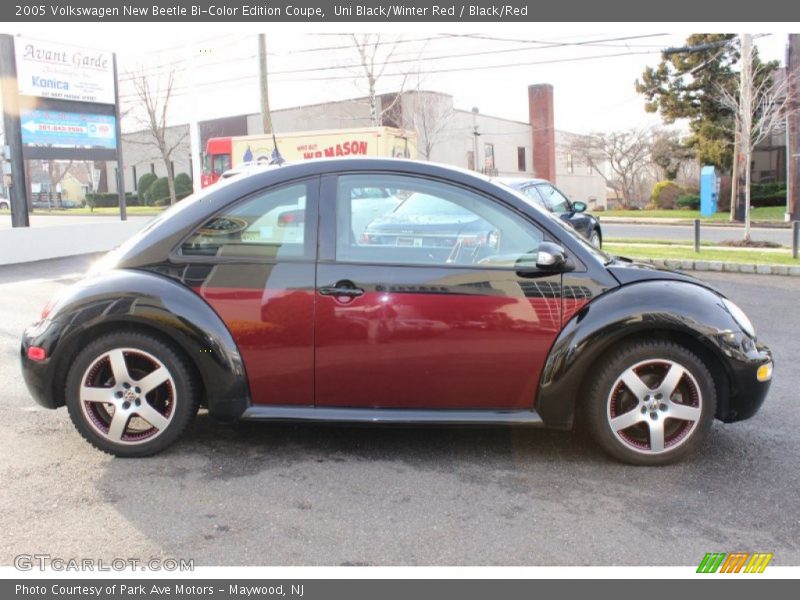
[[521, 158]]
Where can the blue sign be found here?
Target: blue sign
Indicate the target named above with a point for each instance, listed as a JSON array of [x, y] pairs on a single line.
[[67, 129]]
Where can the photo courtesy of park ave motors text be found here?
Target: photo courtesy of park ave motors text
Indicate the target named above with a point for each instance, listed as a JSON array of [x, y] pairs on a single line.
[[398, 294]]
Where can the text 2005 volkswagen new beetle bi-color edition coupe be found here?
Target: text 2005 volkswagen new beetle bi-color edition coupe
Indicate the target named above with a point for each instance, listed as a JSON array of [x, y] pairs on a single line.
[[388, 291]]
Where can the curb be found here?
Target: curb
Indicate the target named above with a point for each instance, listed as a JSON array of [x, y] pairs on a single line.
[[722, 266]]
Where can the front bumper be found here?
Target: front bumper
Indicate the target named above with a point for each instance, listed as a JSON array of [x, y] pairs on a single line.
[[747, 392]]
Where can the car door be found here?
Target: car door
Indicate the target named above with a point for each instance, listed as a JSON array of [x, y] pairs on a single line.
[[423, 307], [253, 262]]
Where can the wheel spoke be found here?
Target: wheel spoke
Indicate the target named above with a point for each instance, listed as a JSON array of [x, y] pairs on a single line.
[[118, 366], [97, 394], [628, 419], [671, 380], [153, 380], [683, 412], [119, 422], [656, 435], [635, 384], [152, 416]]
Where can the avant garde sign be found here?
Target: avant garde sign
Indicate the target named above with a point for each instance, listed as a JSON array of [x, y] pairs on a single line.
[[54, 70]]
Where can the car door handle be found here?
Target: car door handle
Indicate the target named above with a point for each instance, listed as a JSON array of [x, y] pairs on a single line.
[[341, 289]]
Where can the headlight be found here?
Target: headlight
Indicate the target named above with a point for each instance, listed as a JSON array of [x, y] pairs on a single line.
[[740, 318]]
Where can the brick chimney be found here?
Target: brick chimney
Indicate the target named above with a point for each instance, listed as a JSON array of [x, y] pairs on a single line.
[[540, 113]]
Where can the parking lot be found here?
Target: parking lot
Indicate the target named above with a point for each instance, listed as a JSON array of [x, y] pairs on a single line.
[[333, 495]]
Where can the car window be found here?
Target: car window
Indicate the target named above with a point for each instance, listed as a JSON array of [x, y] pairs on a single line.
[[554, 200], [428, 223], [532, 193], [269, 225]]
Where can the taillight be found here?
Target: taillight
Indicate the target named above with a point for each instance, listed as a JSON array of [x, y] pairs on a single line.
[[36, 353], [47, 309]]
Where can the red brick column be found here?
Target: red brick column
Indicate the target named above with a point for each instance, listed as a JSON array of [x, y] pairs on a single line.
[[540, 112]]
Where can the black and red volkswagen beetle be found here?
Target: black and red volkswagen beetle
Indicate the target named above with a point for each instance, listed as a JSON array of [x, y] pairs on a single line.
[[388, 291]]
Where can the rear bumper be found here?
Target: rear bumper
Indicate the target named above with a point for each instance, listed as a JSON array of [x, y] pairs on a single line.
[[39, 374]]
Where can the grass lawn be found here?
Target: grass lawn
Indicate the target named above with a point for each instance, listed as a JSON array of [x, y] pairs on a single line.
[[110, 211], [762, 213], [755, 256]]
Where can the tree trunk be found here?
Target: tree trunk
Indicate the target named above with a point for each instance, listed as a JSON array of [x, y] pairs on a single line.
[[747, 176], [170, 181]]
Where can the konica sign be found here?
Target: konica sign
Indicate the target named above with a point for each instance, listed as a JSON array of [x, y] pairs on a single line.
[[67, 129], [54, 70]]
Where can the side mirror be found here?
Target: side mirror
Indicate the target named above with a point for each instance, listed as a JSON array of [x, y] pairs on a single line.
[[579, 206], [550, 257]]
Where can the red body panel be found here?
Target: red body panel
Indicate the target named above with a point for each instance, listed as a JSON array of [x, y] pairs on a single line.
[[429, 350]]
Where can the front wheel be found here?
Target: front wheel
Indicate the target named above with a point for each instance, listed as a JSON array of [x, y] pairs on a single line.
[[130, 394], [651, 403], [595, 239]]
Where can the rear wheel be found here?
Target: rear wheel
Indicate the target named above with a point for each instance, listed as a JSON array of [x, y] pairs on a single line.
[[651, 403], [130, 395]]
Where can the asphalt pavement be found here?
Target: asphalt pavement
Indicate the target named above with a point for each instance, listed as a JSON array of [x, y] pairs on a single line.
[[259, 494]]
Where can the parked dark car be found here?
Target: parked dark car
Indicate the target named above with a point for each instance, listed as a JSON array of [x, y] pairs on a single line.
[[548, 196], [265, 298]]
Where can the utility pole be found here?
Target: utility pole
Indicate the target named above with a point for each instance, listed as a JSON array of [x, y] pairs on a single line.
[[266, 119], [746, 123], [793, 129], [194, 134]]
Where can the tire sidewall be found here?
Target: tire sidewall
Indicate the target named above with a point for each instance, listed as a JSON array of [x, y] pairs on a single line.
[[610, 370], [185, 404]]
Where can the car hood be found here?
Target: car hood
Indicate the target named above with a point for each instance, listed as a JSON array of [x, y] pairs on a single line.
[[628, 271]]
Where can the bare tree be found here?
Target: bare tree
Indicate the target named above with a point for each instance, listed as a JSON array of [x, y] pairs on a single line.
[[761, 106], [620, 157], [375, 54], [430, 115], [155, 97]]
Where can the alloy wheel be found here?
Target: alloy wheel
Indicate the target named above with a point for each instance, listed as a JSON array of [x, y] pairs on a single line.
[[128, 396], [654, 406]]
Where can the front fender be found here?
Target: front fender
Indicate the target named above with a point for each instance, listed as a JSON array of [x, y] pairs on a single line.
[[642, 308], [126, 297]]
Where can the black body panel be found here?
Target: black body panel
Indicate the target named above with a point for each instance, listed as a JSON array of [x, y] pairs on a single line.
[[652, 309], [121, 298]]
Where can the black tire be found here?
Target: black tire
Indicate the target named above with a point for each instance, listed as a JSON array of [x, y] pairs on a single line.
[[599, 238], [4, 206], [175, 400], [609, 402]]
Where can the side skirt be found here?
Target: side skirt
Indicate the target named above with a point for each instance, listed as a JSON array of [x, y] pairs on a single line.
[[393, 415]]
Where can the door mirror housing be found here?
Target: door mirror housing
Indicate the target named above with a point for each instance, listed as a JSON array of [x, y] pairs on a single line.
[[550, 257], [579, 206]]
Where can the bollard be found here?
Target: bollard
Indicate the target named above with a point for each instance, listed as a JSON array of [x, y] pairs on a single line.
[[795, 238], [697, 235]]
